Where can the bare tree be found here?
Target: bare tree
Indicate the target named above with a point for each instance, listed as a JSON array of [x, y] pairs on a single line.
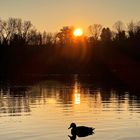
[[133, 29], [14, 30], [120, 31], [27, 28], [44, 38], [5, 31], [32, 37], [19, 26], [95, 31], [48, 38], [119, 26]]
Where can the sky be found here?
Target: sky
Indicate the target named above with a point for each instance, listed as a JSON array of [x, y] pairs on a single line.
[[52, 15]]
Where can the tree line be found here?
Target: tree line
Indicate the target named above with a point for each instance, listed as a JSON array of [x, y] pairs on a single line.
[[16, 32], [102, 51]]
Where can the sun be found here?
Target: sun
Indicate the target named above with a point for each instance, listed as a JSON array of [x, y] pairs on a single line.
[[78, 32]]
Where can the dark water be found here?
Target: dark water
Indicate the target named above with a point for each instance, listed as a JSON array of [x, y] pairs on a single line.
[[45, 109]]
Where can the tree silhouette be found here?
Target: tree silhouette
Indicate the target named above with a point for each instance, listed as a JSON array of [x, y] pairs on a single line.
[[134, 30], [95, 31], [25, 49], [65, 36], [120, 31], [4, 32], [14, 30], [106, 35]]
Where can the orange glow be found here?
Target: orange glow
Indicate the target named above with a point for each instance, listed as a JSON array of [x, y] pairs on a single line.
[[78, 32]]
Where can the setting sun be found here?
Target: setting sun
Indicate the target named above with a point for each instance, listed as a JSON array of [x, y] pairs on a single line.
[[78, 32]]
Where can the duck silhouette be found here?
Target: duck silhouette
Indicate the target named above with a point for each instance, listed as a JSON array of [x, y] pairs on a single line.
[[80, 131]]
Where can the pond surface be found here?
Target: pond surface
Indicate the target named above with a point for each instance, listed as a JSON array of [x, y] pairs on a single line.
[[44, 111]]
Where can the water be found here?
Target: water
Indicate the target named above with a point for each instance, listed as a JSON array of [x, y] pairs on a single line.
[[44, 111]]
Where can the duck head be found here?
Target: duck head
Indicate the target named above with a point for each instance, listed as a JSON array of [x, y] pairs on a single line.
[[73, 125]]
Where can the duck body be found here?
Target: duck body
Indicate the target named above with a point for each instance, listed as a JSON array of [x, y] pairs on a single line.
[[81, 131]]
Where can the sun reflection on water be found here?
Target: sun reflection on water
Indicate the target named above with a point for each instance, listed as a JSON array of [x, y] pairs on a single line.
[[77, 98], [76, 92], [51, 105]]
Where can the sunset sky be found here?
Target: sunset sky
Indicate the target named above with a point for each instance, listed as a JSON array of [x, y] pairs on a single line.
[[51, 15]]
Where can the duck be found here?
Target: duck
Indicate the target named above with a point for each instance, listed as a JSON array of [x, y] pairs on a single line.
[[81, 131]]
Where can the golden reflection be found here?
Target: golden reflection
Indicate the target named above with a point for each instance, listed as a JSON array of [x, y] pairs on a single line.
[[51, 101], [58, 97], [77, 98], [77, 95], [14, 101]]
